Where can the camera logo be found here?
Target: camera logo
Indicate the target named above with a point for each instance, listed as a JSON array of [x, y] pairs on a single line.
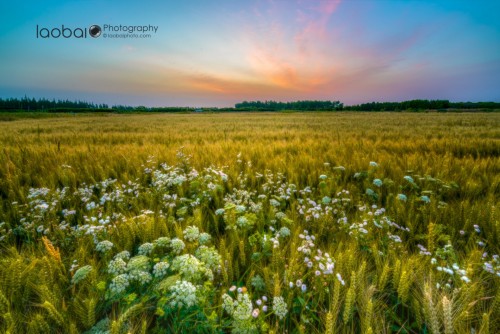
[[95, 31]]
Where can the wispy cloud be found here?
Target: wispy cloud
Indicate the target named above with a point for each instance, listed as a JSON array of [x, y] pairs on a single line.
[[313, 19], [288, 47]]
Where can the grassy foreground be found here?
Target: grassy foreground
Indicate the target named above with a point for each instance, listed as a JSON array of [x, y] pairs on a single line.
[[250, 223]]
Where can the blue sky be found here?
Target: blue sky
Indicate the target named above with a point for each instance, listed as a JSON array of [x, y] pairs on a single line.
[[217, 53]]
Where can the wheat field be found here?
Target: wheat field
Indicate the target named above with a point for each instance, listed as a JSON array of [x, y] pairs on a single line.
[[250, 223]]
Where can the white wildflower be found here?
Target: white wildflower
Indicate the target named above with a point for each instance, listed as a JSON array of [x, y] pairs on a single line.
[[145, 249], [279, 307], [160, 269], [104, 246], [191, 233], [183, 295]]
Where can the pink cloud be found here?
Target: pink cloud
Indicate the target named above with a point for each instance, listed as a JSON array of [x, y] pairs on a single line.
[[314, 21], [289, 42]]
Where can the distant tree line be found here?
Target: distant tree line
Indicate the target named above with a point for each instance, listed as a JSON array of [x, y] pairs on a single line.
[[43, 104], [122, 108], [474, 105], [297, 105], [27, 104], [415, 105], [151, 109]]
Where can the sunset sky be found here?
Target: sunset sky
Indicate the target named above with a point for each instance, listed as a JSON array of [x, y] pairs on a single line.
[[217, 53]]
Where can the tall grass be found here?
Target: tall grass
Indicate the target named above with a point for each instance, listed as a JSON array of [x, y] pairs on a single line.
[[155, 180]]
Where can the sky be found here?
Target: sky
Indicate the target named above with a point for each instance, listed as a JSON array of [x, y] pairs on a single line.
[[220, 52]]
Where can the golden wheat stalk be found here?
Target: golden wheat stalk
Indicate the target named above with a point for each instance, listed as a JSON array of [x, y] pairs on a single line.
[[447, 315], [53, 252], [350, 299], [431, 311]]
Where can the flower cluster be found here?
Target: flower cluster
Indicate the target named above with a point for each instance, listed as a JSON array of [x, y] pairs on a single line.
[[117, 266], [177, 245], [160, 269], [191, 233], [441, 261], [104, 246], [162, 242], [242, 311], [242, 307], [136, 270], [279, 307], [139, 276], [209, 256], [124, 255], [119, 284], [139, 263], [190, 268], [492, 266], [145, 249], [183, 294], [204, 238]]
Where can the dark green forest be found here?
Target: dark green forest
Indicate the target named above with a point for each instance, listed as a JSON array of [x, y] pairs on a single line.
[[416, 105], [43, 104], [297, 105], [67, 106]]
